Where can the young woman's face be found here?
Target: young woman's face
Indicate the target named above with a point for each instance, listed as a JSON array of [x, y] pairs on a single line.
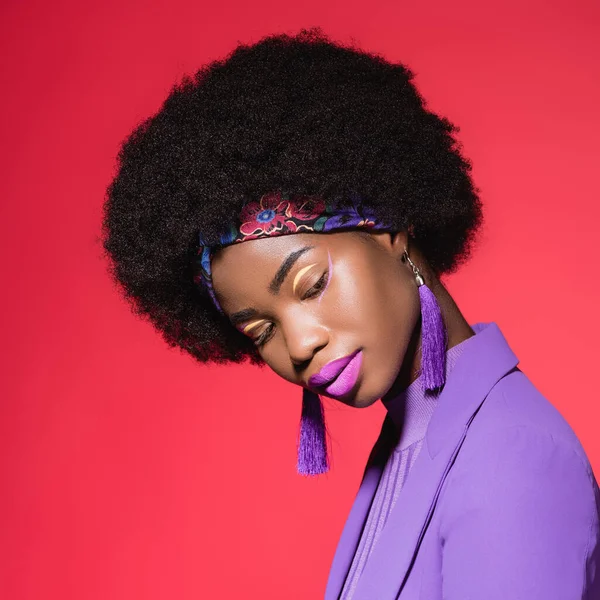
[[308, 299]]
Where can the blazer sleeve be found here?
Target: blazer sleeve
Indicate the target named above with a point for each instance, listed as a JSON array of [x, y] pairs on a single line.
[[522, 521]]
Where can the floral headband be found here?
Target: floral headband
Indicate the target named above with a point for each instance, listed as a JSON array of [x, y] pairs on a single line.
[[279, 214]]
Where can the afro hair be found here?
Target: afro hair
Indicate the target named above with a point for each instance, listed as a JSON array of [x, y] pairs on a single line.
[[297, 113]]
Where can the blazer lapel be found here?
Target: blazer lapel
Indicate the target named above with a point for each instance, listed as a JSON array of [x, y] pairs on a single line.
[[484, 361]]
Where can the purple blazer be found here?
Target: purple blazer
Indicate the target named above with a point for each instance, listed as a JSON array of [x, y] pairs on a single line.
[[501, 503]]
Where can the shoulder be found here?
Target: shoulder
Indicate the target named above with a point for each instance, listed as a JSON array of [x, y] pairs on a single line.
[[520, 454], [520, 504], [517, 414]]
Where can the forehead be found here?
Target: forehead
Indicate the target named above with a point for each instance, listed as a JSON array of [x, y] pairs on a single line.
[[260, 257], [241, 272], [246, 268]]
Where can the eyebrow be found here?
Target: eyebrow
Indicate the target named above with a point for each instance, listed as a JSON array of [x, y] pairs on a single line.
[[285, 268], [275, 285], [242, 315]]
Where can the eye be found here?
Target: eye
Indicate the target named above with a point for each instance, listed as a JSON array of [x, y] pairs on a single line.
[[317, 287], [265, 336]]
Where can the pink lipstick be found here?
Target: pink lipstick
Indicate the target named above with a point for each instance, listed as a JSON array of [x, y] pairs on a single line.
[[339, 376]]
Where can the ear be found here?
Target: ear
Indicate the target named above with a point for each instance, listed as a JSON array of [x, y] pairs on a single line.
[[395, 242]]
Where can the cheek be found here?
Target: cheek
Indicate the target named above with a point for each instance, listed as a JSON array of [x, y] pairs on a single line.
[[276, 356], [377, 299], [274, 362], [386, 315]]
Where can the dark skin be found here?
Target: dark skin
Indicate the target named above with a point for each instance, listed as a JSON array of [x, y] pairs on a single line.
[[312, 315]]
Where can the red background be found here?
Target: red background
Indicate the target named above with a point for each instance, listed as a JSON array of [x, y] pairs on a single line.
[[129, 471]]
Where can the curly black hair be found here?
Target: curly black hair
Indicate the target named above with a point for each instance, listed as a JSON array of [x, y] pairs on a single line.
[[300, 114]]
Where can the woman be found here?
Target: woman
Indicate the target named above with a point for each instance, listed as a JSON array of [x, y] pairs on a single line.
[[295, 205]]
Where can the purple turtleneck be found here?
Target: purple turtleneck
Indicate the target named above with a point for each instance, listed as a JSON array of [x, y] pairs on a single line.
[[410, 411]]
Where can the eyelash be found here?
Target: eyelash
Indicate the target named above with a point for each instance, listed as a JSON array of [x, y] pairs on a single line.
[[317, 287], [264, 337]]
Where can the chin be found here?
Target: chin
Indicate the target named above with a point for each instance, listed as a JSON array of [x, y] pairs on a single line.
[[363, 402], [358, 399]]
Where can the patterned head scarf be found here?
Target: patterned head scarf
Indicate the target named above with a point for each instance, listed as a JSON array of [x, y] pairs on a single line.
[[280, 214]]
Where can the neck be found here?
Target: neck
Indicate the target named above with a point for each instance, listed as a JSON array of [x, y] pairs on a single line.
[[457, 330]]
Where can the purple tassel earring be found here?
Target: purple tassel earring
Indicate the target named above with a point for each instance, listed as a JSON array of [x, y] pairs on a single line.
[[433, 335], [312, 446]]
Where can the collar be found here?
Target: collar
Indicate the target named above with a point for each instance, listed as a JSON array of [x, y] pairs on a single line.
[[412, 408]]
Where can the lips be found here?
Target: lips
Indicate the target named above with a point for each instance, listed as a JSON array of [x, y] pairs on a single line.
[[338, 377], [330, 371]]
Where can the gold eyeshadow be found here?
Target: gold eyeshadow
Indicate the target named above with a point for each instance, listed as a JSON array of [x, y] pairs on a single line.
[[248, 328], [299, 274], [251, 326]]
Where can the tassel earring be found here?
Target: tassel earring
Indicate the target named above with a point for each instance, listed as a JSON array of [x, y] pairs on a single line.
[[312, 445], [433, 335]]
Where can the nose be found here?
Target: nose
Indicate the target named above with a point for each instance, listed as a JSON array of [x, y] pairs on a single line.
[[304, 336]]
